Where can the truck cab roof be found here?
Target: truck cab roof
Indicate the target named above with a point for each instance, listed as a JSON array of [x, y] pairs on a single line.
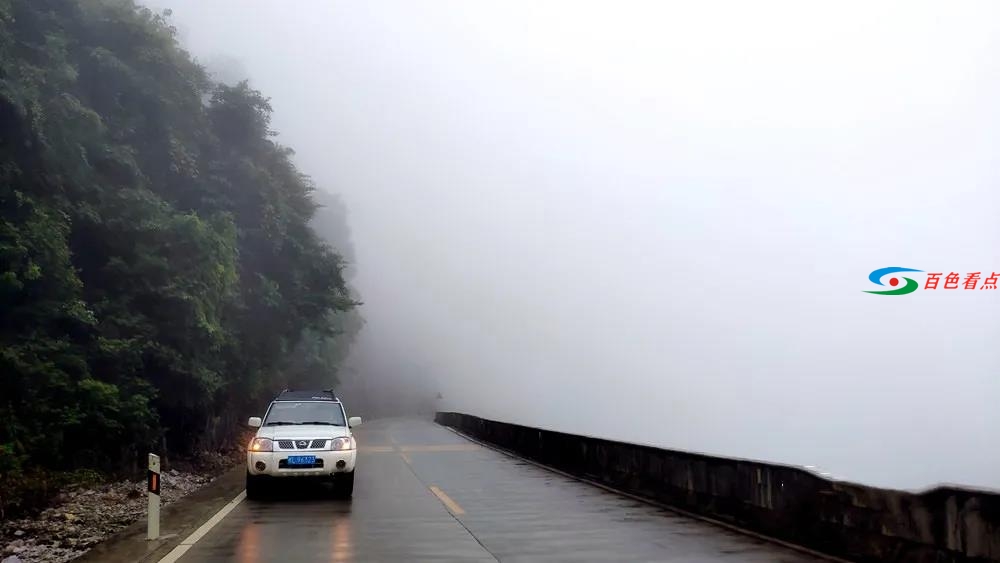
[[307, 395]]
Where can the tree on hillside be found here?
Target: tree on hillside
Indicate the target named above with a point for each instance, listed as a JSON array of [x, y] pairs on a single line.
[[159, 274]]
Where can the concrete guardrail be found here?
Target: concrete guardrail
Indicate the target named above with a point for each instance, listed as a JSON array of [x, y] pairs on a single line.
[[846, 520]]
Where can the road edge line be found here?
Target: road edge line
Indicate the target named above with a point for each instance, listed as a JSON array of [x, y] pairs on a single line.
[[650, 501], [177, 552]]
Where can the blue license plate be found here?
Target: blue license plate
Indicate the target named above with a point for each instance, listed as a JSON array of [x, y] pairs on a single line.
[[301, 459]]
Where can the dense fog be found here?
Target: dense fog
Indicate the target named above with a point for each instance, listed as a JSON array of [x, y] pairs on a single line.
[[655, 222]]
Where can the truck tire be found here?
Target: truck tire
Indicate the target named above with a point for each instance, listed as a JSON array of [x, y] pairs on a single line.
[[344, 484], [255, 487]]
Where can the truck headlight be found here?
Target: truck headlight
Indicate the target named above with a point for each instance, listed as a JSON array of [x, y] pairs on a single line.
[[261, 445], [340, 444]]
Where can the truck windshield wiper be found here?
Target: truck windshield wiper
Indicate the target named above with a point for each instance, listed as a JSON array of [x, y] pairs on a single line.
[[280, 423], [322, 422]]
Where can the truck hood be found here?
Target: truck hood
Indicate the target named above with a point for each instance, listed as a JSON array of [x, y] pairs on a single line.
[[306, 432]]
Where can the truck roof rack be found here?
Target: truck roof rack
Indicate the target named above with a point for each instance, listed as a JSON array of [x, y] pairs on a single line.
[[306, 395]]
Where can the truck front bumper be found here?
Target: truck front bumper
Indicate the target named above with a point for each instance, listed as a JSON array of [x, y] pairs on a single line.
[[275, 464]]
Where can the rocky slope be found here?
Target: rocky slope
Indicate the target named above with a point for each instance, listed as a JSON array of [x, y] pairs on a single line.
[[83, 517]]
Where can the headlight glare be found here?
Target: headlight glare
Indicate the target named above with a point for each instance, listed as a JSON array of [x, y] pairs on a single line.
[[261, 445], [341, 444]]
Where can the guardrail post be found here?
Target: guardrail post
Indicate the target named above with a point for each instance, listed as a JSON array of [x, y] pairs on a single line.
[[153, 488]]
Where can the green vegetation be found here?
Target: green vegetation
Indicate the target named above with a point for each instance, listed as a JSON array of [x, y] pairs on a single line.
[[159, 273]]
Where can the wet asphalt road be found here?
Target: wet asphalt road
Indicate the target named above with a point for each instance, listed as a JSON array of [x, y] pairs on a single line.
[[423, 493]]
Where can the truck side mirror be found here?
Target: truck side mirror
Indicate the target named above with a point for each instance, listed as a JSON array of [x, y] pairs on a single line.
[[254, 422], [354, 421]]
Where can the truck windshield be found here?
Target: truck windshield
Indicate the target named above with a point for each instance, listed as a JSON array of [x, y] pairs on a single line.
[[305, 413]]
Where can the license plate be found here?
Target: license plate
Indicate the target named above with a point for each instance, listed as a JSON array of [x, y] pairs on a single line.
[[301, 459]]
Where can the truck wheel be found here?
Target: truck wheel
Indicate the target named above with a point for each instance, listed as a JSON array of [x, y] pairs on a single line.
[[255, 487], [344, 484]]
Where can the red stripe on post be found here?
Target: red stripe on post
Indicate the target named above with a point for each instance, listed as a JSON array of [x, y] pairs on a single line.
[[153, 482]]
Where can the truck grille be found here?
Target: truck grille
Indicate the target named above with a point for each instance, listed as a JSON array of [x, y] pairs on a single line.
[[302, 444]]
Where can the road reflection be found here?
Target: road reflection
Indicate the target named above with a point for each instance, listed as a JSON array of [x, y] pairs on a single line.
[[299, 507], [340, 538], [248, 547]]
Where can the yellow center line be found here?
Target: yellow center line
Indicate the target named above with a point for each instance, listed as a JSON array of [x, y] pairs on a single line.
[[450, 504], [441, 448], [416, 449]]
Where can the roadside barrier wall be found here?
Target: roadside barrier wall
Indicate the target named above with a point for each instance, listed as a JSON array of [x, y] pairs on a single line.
[[847, 520]]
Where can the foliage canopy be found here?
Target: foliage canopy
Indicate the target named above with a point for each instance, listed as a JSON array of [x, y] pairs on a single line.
[[159, 274]]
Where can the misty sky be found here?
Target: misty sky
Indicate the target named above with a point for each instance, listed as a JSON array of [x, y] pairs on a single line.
[[655, 221]]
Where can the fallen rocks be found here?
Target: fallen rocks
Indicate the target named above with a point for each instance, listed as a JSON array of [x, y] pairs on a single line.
[[84, 517]]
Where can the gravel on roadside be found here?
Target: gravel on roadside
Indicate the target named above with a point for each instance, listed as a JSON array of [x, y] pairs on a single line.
[[83, 517]]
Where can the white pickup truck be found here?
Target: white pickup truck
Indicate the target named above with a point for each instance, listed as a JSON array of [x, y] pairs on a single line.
[[304, 434]]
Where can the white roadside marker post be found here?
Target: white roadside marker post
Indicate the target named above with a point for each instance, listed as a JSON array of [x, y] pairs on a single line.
[[153, 488]]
